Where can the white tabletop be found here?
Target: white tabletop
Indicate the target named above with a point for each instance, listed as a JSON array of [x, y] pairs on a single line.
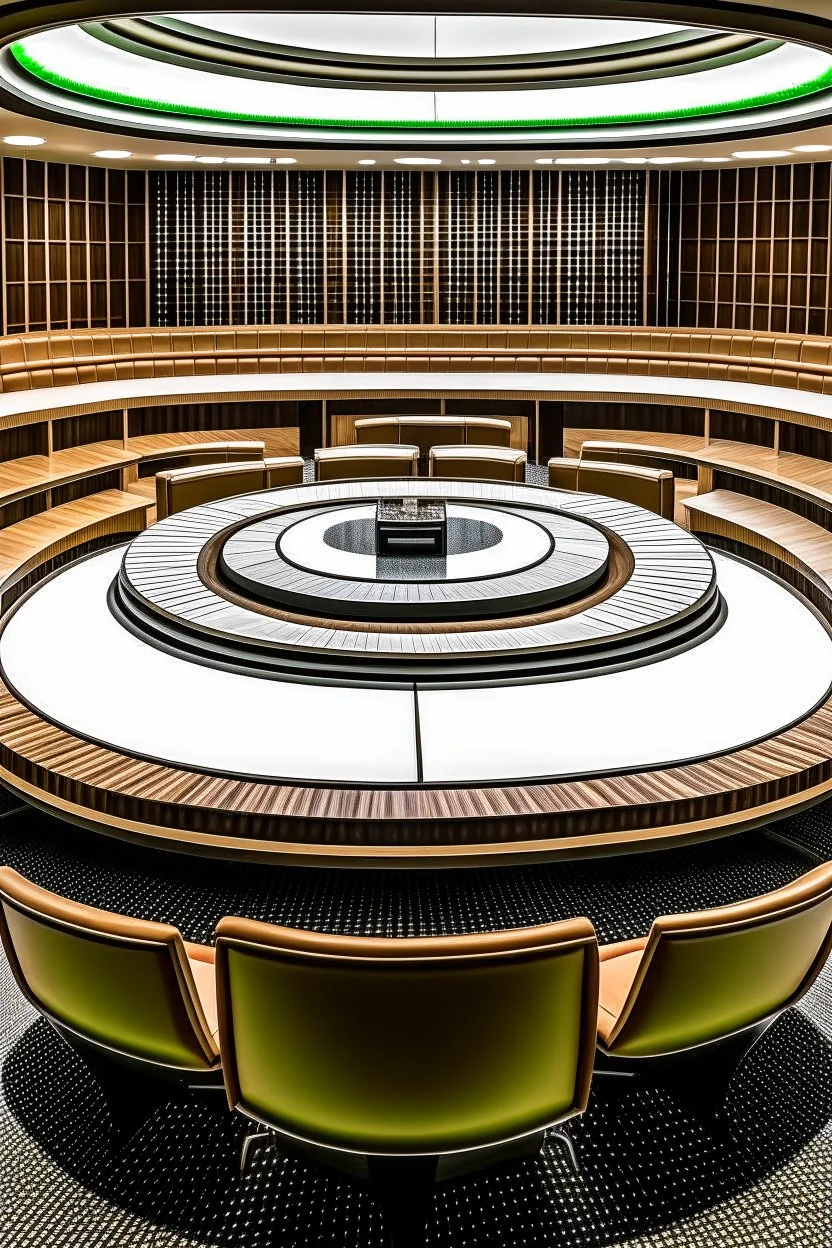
[[698, 392], [64, 653]]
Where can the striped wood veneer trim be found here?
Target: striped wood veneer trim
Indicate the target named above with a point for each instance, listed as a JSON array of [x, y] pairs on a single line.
[[152, 801]]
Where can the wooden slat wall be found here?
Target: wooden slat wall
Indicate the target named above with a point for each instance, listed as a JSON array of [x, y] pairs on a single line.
[[75, 246], [743, 248]]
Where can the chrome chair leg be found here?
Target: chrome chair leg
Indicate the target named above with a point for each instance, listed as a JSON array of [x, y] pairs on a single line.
[[248, 1142], [569, 1146]]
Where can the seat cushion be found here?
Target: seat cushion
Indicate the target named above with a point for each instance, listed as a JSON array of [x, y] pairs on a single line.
[[201, 962], [617, 972]]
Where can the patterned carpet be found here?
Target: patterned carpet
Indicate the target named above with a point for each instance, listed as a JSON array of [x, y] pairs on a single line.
[[653, 1173]]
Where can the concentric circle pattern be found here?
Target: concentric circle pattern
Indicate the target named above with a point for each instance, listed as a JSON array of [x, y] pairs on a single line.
[[575, 581], [420, 78], [536, 560]]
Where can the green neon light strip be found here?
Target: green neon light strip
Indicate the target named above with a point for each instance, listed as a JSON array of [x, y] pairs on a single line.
[[821, 83]]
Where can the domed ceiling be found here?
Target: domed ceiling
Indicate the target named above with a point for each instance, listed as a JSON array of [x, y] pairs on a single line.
[[350, 78]]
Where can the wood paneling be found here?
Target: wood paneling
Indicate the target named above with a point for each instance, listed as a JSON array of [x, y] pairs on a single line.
[[746, 248], [74, 246], [31, 543]]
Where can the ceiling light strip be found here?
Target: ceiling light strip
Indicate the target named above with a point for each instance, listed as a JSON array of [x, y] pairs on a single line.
[[820, 83]]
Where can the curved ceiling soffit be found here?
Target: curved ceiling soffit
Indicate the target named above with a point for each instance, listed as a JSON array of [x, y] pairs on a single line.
[[799, 21]]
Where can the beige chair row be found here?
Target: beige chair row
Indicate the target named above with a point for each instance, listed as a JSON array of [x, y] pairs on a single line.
[[180, 488], [362, 462], [651, 488], [32, 361], [428, 431], [426, 1056]]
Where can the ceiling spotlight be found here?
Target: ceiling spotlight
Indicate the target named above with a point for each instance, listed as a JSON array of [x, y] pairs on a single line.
[[112, 153], [773, 154], [716, 160], [366, 162], [486, 161], [248, 160], [545, 160], [416, 160], [179, 156], [814, 147], [465, 162], [210, 160], [633, 160], [583, 160], [284, 160], [23, 140], [669, 160]]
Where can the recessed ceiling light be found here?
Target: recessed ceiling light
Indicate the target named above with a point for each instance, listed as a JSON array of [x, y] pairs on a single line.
[[210, 160], [716, 160], [465, 162], [284, 160], [247, 160], [669, 160], [175, 156], [112, 153], [23, 140], [814, 147], [545, 160], [486, 161], [366, 162], [583, 160], [772, 154], [633, 160], [416, 160]]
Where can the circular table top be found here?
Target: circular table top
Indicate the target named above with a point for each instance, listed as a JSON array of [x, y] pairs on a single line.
[[510, 560], [143, 695], [172, 579]]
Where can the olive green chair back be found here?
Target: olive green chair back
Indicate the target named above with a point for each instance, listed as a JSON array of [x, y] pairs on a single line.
[[122, 983], [407, 1046], [711, 974]]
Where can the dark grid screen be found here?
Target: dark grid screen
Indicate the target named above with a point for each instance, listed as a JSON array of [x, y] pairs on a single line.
[[403, 247]]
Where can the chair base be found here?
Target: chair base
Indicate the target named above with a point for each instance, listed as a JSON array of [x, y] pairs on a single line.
[[697, 1077], [134, 1089], [404, 1186]]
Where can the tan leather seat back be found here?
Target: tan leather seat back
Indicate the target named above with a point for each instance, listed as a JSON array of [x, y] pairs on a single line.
[[180, 488], [284, 470], [428, 431], [563, 473], [615, 453], [352, 463], [394, 1045], [715, 972], [487, 431], [119, 982], [213, 453], [484, 463], [651, 488], [377, 430]]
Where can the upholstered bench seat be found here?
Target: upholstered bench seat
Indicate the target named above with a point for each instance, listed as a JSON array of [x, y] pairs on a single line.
[[651, 488], [427, 431], [342, 463], [180, 488], [482, 463]]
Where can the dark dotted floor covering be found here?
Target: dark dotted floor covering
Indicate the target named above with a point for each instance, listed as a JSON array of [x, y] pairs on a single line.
[[621, 895], [655, 1173]]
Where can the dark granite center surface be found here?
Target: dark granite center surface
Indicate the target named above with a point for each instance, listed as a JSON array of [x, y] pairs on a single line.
[[465, 536]]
